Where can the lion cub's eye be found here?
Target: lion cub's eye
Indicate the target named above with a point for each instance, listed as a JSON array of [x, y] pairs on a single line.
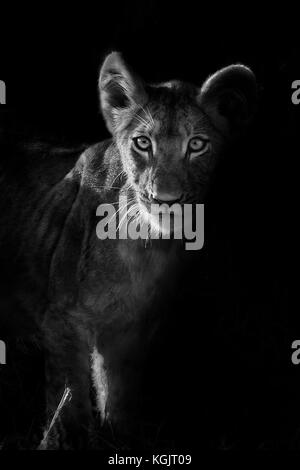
[[142, 143], [196, 144]]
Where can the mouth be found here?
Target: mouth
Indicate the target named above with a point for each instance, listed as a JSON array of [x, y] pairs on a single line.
[[164, 205], [154, 212]]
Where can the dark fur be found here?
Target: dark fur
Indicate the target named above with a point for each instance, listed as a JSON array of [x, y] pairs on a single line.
[[76, 292]]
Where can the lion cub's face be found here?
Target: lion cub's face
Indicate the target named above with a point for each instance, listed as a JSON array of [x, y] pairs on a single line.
[[171, 135]]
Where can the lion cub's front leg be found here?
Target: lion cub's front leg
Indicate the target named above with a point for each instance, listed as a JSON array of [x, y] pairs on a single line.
[[68, 352]]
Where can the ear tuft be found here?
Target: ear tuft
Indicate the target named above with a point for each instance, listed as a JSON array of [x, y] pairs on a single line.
[[229, 97], [119, 89]]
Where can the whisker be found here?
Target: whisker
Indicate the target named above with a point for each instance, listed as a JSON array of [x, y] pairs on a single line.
[[142, 121], [122, 207], [108, 187], [150, 116], [150, 122], [114, 216], [122, 172], [125, 215]]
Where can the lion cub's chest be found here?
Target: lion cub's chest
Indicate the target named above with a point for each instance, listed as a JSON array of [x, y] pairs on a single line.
[[148, 268], [127, 279]]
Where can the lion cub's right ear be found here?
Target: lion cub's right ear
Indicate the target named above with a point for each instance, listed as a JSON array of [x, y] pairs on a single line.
[[229, 98], [120, 91]]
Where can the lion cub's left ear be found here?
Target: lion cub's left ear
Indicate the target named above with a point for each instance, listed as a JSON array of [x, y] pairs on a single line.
[[229, 98], [120, 91]]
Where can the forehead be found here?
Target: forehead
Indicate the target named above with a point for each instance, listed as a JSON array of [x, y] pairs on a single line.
[[171, 111]]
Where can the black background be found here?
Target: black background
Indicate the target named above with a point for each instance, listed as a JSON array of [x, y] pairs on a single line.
[[224, 378]]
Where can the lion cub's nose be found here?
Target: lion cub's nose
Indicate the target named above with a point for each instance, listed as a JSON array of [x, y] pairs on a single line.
[[166, 196]]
